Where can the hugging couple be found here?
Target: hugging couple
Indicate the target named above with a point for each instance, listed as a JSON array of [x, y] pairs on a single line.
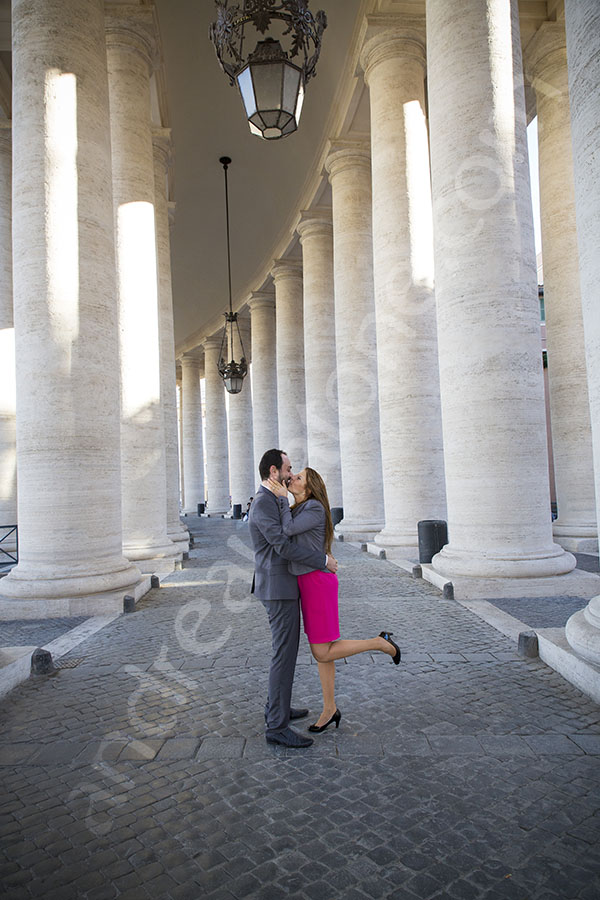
[[294, 567]]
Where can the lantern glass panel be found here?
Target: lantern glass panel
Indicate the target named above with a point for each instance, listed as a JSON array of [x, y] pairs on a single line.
[[291, 80], [299, 103], [267, 79], [246, 86]]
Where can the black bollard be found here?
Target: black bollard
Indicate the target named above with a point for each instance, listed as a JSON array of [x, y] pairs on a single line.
[[41, 662], [128, 603], [528, 645]]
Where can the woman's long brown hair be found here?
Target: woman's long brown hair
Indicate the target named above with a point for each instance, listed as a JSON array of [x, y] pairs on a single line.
[[316, 488]]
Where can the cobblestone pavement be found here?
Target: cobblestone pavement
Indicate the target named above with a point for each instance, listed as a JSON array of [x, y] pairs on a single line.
[[26, 632], [465, 772], [541, 612]]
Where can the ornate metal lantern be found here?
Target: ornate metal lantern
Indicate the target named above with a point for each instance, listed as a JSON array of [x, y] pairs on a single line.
[[231, 372], [271, 85]]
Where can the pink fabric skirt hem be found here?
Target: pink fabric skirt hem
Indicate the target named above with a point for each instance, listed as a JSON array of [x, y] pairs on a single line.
[[319, 601]]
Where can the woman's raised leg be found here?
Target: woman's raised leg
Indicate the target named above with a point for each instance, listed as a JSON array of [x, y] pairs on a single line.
[[325, 653]]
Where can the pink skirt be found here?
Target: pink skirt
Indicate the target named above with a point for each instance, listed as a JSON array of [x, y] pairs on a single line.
[[319, 601]]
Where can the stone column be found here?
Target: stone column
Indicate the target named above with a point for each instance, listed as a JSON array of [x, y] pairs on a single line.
[[322, 417], [242, 473], [192, 451], [264, 374], [582, 19], [575, 528], [161, 144], [65, 316], [8, 399], [217, 457], [348, 165], [393, 60], [130, 46], [486, 292], [291, 395]]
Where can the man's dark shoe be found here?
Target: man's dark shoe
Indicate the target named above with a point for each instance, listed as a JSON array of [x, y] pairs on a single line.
[[289, 738], [298, 713]]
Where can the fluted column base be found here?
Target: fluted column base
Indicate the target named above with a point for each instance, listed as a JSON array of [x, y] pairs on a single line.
[[391, 537], [576, 538], [179, 534], [357, 529], [583, 631], [140, 553], [554, 561], [28, 581]]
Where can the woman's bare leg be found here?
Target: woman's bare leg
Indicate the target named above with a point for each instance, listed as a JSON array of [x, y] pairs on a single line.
[[327, 676], [325, 653]]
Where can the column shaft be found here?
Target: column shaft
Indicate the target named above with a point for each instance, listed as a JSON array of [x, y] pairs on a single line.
[[291, 394], [65, 314], [242, 474], [144, 493], [192, 451], [486, 291], [322, 417], [161, 143], [582, 20], [8, 391], [356, 349], [264, 374], [575, 528], [217, 457], [407, 355]]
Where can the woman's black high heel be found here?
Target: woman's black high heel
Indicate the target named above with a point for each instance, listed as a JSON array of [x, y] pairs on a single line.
[[335, 718], [387, 635]]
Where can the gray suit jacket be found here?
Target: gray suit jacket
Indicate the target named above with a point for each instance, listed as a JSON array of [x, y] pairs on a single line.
[[272, 550], [307, 525]]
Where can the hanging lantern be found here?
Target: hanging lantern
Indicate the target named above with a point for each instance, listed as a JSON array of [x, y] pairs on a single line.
[[232, 372], [271, 84]]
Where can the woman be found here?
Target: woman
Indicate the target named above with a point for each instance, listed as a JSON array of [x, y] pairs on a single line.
[[310, 522]]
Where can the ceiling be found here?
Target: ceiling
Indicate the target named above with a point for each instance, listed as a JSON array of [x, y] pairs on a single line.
[[266, 178]]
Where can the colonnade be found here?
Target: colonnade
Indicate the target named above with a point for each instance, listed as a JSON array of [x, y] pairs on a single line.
[[394, 345], [415, 385], [96, 427]]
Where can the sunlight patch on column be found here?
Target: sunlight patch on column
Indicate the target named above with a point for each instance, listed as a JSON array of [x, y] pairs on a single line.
[[62, 235], [136, 253]]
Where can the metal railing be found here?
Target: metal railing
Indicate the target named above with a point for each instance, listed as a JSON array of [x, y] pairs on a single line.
[[7, 556]]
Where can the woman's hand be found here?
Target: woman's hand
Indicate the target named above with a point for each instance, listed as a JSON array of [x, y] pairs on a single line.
[[278, 489]]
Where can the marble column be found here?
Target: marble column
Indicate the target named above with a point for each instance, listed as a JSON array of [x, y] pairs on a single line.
[[264, 374], [322, 417], [192, 451], [243, 476], [8, 399], [349, 168], [582, 19], [217, 456], [130, 48], [575, 528], [393, 60], [289, 342], [65, 316], [161, 144], [486, 293]]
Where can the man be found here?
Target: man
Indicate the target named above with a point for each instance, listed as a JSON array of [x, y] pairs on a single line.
[[278, 591]]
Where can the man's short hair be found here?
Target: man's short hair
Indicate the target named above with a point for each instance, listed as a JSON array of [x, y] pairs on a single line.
[[270, 458]]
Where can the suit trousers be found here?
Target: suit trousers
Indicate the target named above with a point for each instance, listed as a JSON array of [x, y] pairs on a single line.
[[284, 619]]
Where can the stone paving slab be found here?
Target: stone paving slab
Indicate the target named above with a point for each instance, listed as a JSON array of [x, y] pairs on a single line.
[[465, 772]]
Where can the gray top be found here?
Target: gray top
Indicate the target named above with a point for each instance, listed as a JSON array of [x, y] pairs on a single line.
[[273, 549], [306, 527]]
